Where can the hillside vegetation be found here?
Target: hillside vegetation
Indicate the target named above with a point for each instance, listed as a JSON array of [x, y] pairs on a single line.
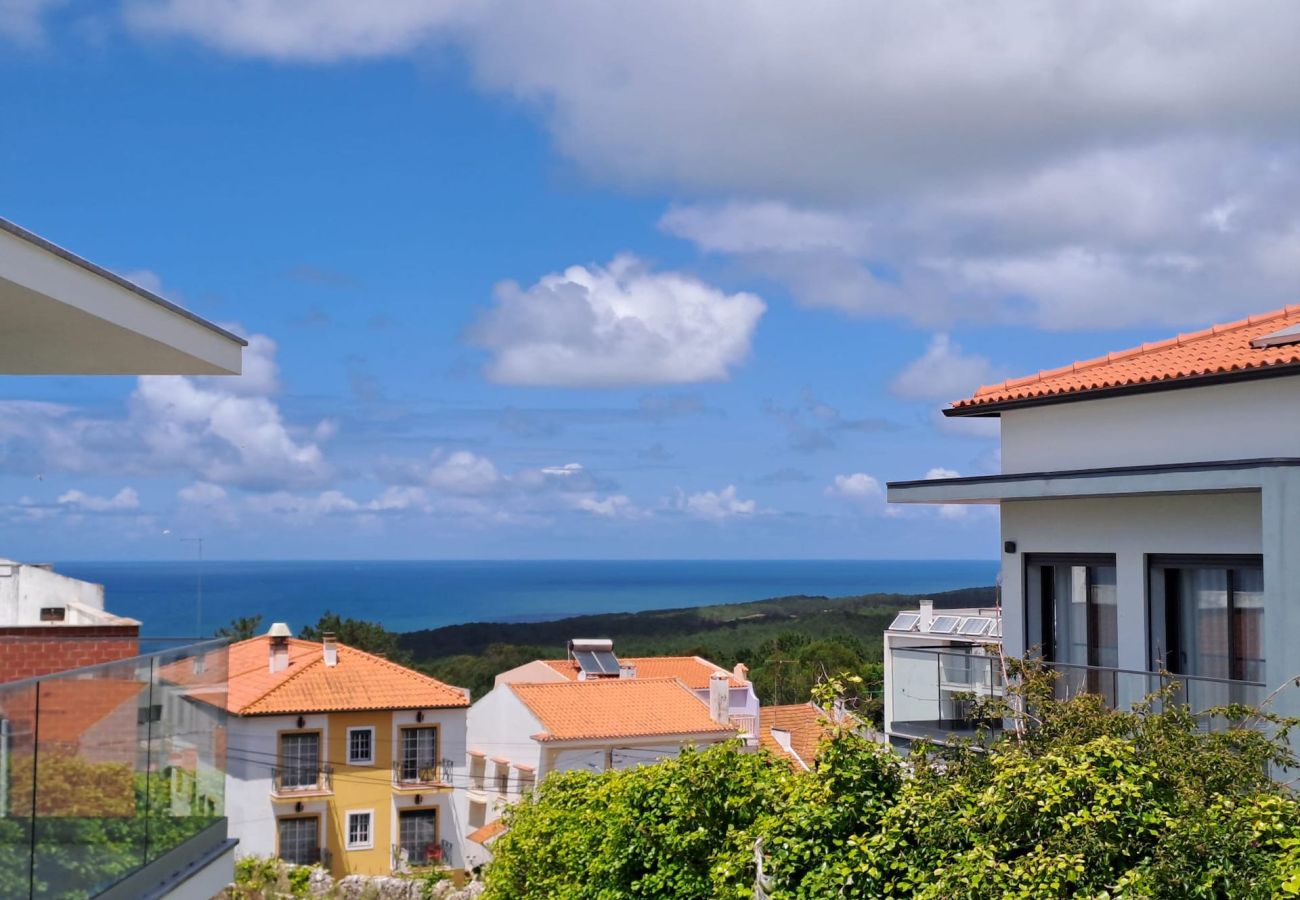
[[787, 642]]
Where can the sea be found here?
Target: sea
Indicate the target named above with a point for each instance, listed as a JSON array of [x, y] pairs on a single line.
[[183, 599]]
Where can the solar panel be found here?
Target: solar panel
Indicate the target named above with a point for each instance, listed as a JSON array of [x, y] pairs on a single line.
[[597, 662], [1278, 338], [974, 626], [996, 630], [944, 625], [905, 622]]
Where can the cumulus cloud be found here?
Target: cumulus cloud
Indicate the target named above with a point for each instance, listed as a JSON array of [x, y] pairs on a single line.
[[462, 472], [614, 506], [716, 506], [616, 325], [943, 372], [202, 493], [858, 488], [124, 500]]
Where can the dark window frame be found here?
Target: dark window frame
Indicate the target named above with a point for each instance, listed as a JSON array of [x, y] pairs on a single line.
[[1047, 598], [1173, 622]]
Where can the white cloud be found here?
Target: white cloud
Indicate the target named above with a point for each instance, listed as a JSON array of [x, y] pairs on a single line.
[[860, 489], [615, 506], [617, 325], [716, 506], [943, 372], [202, 493], [307, 30], [124, 500], [21, 21], [462, 472]]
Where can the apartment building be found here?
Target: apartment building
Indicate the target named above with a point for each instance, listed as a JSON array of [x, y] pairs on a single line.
[[341, 758], [1149, 507]]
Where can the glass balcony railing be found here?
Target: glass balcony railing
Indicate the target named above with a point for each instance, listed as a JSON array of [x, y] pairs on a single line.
[[106, 769], [935, 692]]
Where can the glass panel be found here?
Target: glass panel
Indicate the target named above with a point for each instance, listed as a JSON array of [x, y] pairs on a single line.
[[300, 756], [418, 834], [299, 840], [419, 753], [108, 767], [1104, 625], [1203, 596], [1248, 623]]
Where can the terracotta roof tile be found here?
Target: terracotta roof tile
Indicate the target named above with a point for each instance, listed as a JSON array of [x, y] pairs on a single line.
[[616, 708], [805, 723], [488, 832], [693, 671], [1223, 348], [359, 681]]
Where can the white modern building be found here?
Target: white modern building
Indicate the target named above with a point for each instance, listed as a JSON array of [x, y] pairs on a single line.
[[34, 594], [1150, 513], [592, 711]]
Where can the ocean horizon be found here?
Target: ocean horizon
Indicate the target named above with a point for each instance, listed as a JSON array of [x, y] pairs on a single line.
[[407, 595]]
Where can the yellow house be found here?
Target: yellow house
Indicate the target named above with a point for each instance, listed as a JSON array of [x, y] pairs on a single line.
[[342, 758]]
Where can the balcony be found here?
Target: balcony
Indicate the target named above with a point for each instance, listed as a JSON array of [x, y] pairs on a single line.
[[297, 782], [115, 777], [415, 775], [935, 692], [418, 855]]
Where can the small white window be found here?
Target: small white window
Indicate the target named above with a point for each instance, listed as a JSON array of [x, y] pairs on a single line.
[[361, 746], [360, 836]]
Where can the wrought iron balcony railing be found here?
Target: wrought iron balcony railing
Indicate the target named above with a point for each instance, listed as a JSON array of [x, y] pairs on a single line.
[[410, 773], [298, 780]]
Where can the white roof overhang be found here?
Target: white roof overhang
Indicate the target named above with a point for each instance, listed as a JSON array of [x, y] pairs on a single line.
[[63, 315], [1176, 478]]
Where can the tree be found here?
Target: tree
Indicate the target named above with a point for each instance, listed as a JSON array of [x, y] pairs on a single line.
[[241, 629], [368, 636]]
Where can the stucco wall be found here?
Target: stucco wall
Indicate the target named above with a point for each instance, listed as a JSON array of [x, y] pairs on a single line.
[[1130, 528], [1247, 420]]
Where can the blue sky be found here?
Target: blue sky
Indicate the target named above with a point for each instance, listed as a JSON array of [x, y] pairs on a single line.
[[577, 282]]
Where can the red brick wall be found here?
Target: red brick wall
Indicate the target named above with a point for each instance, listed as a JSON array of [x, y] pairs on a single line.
[[40, 650]]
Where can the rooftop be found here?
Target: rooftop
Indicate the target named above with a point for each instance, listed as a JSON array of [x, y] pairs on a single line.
[[1222, 351], [617, 708], [692, 671], [805, 723], [359, 681]]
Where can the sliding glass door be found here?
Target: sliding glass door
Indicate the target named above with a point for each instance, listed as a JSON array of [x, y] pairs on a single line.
[[1207, 621], [1073, 618]]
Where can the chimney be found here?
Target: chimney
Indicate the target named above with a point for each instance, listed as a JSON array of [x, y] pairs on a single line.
[[279, 635], [927, 614], [330, 645], [741, 672], [720, 697]]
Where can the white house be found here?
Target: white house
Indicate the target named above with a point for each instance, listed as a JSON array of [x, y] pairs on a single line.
[[591, 711], [1150, 513], [34, 594], [342, 758]]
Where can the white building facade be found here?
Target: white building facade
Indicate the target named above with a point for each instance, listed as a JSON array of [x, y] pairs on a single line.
[[1150, 514]]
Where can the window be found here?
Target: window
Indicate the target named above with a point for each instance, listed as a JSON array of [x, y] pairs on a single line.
[[1207, 619], [300, 840], [419, 759], [477, 772], [503, 777], [361, 746], [526, 780], [1072, 615], [359, 834], [417, 835], [300, 759]]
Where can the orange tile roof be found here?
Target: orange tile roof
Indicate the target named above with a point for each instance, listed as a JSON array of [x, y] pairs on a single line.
[[693, 671], [1222, 349], [359, 681], [805, 722], [617, 708], [488, 832]]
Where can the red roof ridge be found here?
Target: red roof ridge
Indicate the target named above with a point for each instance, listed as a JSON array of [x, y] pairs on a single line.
[[1179, 340]]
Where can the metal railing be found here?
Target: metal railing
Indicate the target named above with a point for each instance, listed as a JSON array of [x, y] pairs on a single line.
[[745, 724], [422, 773], [421, 855], [313, 856], [937, 692], [135, 748], [295, 780]]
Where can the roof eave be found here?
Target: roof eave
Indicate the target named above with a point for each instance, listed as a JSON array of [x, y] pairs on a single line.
[[992, 410]]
